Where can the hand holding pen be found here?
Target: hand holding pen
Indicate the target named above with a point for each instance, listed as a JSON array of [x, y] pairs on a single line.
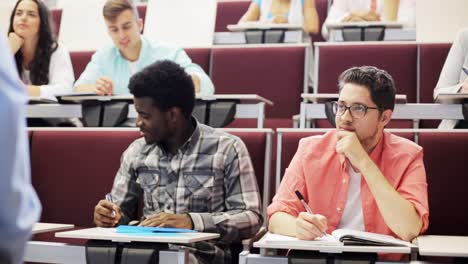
[[106, 213], [464, 88], [309, 226], [109, 199]]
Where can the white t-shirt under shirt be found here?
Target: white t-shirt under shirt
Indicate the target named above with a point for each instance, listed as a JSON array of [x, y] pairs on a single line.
[[61, 76], [133, 65], [352, 217]]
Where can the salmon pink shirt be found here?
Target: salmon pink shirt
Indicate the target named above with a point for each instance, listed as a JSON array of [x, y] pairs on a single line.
[[320, 174]]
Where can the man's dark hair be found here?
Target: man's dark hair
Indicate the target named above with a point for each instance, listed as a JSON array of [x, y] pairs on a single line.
[[167, 84], [379, 83]]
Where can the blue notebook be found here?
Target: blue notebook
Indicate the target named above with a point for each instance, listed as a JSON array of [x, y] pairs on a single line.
[[126, 229]]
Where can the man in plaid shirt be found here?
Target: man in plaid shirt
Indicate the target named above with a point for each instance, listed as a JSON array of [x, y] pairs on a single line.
[[191, 175]]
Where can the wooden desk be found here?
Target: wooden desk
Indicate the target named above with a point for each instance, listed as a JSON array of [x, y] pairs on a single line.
[[252, 108], [268, 251], [101, 233], [445, 246], [323, 97], [49, 227], [336, 29], [255, 25], [451, 98], [402, 111], [54, 251]]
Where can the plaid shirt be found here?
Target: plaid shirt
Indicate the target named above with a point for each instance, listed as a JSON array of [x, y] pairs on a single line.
[[211, 178]]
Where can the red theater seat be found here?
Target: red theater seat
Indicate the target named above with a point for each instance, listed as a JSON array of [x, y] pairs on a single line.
[[73, 170], [79, 61], [200, 56], [229, 13], [431, 60], [276, 73], [445, 159]]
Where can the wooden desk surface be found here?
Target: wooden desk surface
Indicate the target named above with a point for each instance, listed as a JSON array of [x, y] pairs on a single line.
[[446, 246], [100, 233], [49, 227]]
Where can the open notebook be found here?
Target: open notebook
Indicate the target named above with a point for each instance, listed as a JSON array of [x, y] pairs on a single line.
[[344, 237]]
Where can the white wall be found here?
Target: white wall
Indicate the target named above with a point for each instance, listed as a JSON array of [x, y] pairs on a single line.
[[6, 6], [439, 20], [83, 26], [186, 23]]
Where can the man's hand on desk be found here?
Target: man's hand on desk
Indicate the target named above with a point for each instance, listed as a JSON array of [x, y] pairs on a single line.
[[104, 86], [464, 88], [106, 214], [280, 20], [310, 226], [168, 220], [368, 15]]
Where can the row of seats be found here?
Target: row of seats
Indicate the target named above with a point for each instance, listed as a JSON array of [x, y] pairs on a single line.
[[70, 185], [276, 73], [227, 13]]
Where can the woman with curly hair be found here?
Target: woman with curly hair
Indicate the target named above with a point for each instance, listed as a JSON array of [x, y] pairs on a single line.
[[43, 64]]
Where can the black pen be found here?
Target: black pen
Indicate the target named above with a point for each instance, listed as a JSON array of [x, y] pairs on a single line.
[[306, 206], [301, 198]]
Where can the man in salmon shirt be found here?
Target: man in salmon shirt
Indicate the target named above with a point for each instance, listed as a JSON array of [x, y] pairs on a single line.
[[357, 176]]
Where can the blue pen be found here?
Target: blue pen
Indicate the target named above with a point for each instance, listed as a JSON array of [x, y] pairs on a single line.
[[465, 70], [109, 199]]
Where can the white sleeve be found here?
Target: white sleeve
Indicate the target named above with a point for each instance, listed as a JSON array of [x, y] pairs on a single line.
[[61, 76], [449, 80], [407, 13], [338, 10], [20, 207]]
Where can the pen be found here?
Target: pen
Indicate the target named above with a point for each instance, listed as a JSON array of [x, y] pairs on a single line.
[[465, 70], [109, 199], [306, 206], [301, 198]]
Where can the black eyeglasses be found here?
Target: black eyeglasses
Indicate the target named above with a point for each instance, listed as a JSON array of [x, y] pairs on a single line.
[[356, 110]]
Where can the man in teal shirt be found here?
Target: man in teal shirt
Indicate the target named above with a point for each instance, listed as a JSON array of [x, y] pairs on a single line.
[[111, 67]]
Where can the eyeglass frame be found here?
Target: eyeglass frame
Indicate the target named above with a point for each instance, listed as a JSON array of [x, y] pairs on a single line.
[[335, 109]]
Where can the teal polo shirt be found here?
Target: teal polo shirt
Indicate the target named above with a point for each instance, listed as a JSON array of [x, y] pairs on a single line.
[[110, 63]]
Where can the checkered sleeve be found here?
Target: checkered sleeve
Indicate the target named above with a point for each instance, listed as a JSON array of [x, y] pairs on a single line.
[[242, 216], [125, 190]]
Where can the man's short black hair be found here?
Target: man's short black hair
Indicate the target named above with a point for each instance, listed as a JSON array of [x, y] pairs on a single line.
[[167, 84], [379, 83]]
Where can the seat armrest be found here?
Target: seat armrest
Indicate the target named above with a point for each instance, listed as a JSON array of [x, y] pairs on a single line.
[[247, 243]]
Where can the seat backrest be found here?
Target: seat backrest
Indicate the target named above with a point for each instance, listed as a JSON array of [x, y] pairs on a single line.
[[257, 143], [431, 60], [73, 170], [446, 169], [200, 56], [276, 73], [229, 12], [79, 61], [400, 60], [141, 9], [56, 17], [322, 11]]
